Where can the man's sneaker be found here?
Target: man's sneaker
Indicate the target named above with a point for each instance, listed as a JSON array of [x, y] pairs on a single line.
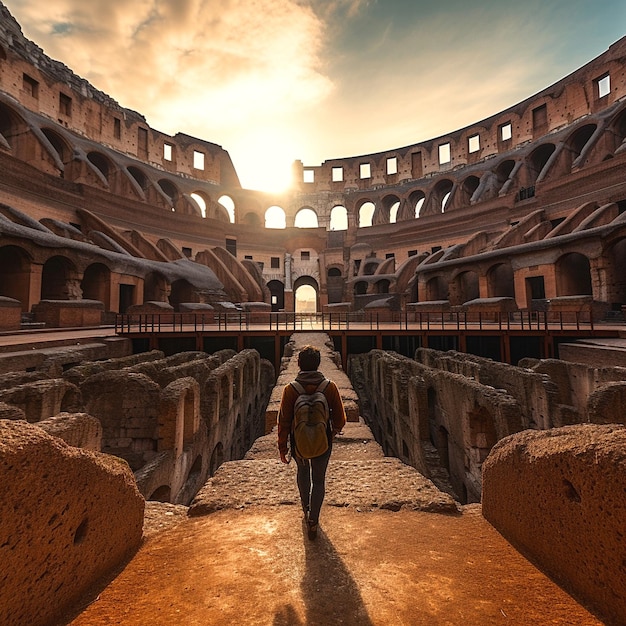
[[312, 529]]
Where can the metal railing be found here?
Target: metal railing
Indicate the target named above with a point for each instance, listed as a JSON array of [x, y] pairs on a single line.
[[359, 320]]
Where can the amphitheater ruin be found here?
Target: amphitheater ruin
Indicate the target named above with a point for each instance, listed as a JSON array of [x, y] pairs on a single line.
[[470, 304]]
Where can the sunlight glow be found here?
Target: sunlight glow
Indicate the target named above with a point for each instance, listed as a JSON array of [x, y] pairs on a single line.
[[275, 218], [228, 203], [306, 299], [306, 218]]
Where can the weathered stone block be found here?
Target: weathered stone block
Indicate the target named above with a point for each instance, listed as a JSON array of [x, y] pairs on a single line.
[[558, 496], [68, 518]]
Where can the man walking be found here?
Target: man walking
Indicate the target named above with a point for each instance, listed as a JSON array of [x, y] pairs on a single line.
[[311, 471]]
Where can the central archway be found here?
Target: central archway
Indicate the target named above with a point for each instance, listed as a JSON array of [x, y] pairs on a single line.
[[306, 295]]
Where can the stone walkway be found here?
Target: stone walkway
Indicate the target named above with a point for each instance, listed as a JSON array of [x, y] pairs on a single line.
[[392, 549]]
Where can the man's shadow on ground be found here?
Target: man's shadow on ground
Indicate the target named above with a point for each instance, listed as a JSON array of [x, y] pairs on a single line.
[[329, 592]]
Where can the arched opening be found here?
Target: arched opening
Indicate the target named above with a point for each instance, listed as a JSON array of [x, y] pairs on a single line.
[[11, 126], [162, 494], [388, 211], [441, 194], [419, 203], [500, 283], [470, 185], [334, 285], [59, 280], [201, 202], [140, 178], [466, 288], [366, 214], [15, 274], [437, 288], [339, 218], [181, 291], [156, 288], [277, 295], [59, 144], [579, 140], [360, 288], [573, 275], [217, 458], [503, 172], [305, 291], [252, 219], [96, 284], [275, 217], [229, 204], [393, 212], [382, 286], [101, 163], [538, 160], [170, 190], [306, 218]]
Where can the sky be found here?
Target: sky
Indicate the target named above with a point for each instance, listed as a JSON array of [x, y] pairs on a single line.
[[273, 81]]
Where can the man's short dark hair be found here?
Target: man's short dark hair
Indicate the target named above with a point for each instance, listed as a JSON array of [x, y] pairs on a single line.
[[309, 358]]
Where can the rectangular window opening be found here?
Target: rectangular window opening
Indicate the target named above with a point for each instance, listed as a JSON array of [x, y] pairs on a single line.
[[390, 255], [540, 117], [412, 253], [392, 166], [198, 160], [506, 131], [275, 262], [308, 176], [337, 174], [444, 153], [305, 255], [365, 170], [231, 246], [30, 86], [473, 143], [117, 128], [142, 141], [248, 257], [65, 105], [603, 86], [168, 151], [187, 252]]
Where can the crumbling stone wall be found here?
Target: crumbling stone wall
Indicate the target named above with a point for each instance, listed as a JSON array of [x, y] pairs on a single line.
[[577, 384], [416, 411], [558, 496], [43, 398], [535, 392], [76, 429], [68, 518]]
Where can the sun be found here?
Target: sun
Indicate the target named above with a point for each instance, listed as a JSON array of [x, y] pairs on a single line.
[[265, 160]]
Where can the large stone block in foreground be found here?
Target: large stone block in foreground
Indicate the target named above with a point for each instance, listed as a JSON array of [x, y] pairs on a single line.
[[559, 496], [68, 518]]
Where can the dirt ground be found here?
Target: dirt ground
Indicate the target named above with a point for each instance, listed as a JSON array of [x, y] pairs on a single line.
[[256, 566]]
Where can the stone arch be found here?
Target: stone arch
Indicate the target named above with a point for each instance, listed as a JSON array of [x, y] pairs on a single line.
[[139, 177], [577, 142], [96, 284], [437, 288], [537, 161], [181, 291], [275, 217], [366, 211], [440, 196], [102, 164], [306, 217], [339, 218], [161, 494], [503, 172], [304, 305], [170, 191], [277, 295], [334, 284], [229, 206], [382, 215], [416, 200], [156, 288], [382, 286], [62, 148], [465, 287], [573, 275], [202, 201], [13, 129], [360, 288], [500, 281], [59, 280], [15, 274], [468, 188], [217, 458]]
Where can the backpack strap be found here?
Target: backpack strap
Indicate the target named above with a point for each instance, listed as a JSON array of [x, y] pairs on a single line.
[[298, 387], [322, 386]]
